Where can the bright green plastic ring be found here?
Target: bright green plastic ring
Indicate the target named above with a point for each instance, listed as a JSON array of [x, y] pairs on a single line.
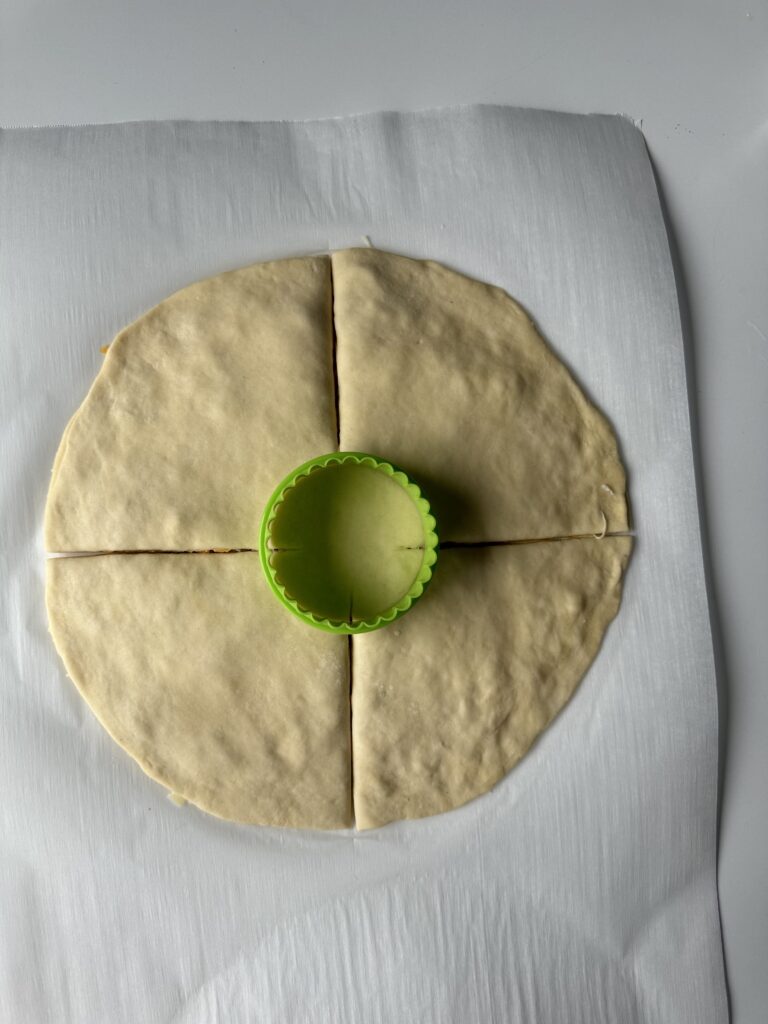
[[348, 542]]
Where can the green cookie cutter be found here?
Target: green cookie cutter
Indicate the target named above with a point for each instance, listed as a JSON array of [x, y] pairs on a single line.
[[347, 542]]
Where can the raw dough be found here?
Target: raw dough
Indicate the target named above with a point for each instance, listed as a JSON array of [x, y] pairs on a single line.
[[448, 378], [220, 695], [201, 407], [450, 698]]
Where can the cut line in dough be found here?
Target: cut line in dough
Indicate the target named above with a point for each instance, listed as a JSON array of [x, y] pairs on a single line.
[[335, 367], [452, 544], [444, 546]]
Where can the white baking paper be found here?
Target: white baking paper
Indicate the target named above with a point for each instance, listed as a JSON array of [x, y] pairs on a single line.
[[582, 889]]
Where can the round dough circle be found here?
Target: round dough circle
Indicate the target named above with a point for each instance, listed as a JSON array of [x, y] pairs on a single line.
[[210, 398]]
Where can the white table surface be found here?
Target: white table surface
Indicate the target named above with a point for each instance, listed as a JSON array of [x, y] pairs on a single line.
[[692, 73]]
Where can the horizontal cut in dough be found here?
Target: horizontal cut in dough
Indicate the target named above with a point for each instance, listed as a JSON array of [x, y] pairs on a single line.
[[448, 378], [450, 698], [195, 670], [200, 407]]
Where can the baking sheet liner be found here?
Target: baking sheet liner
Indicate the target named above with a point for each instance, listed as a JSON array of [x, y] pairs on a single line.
[[582, 888]]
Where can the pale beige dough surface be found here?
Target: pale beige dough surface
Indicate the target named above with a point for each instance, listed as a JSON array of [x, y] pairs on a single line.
[[450, 698], [200, 408], [447, 377], [193, 667]]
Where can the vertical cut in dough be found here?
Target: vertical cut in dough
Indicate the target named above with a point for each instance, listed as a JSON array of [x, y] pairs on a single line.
[[201, 406], [448, 377], [198, 673], [448, 700]]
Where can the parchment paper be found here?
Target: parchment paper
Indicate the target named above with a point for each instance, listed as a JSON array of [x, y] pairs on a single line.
[[582, 889]]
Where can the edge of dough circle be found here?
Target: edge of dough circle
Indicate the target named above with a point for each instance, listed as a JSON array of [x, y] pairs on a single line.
[[169, 629]]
